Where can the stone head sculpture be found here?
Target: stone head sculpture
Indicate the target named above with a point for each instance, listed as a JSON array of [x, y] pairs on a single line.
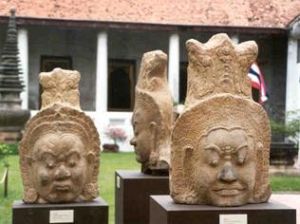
[[220, 143], [152, 116], [59, 152]]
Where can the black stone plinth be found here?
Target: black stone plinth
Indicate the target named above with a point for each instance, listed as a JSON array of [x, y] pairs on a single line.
[[95, 212], [164, 211], [132, 194]]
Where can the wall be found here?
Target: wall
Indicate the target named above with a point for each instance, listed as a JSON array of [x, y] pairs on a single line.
[[132, 44], [79, 44]]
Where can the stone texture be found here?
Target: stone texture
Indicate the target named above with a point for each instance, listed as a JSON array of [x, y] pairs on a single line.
[[152, 116], [59, 152], [221, 142]]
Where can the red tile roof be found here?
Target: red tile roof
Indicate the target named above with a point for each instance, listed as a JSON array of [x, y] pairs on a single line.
[[242, 13]]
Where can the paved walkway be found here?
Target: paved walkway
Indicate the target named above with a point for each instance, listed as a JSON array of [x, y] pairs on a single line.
[[289, 199]]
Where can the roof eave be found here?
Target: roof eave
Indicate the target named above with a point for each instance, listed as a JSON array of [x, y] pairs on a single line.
[[91, 24]]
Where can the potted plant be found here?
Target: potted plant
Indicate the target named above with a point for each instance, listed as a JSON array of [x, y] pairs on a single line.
[[284, 153], [116, 134]]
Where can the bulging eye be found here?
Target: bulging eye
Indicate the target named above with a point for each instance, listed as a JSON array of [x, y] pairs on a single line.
[[50, 165], [72, 163]]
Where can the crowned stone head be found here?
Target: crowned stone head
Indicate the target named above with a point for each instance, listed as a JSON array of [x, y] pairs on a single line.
[[59, 152], [221, 142], [152, 116]]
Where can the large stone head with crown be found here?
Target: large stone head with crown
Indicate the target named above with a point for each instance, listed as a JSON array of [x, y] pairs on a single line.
[[220, 143], [59, 152], [152, 116]]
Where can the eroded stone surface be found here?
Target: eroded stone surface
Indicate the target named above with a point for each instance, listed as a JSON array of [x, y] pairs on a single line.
[[221, 142], [152, 117], [59, 152]]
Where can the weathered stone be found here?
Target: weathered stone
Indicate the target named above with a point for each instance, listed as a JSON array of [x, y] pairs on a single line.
[[152, 117], [59, 153], [221, 142]]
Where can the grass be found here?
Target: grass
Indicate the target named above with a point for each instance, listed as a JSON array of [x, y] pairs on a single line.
[[109, 163], [285, 183]]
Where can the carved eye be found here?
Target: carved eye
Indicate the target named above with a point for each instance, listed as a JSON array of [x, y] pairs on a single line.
[[49, 160], [242, 154], [50, 164], [73, 159], [212, 155], [72, 163]]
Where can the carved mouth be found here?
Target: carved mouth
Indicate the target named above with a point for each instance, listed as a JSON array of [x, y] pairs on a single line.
[[61, 187], [229, 190]]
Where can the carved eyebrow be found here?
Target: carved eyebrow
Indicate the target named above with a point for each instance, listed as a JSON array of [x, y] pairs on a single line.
[[213, 147], [71, 153], [241, 147], [46, 153]]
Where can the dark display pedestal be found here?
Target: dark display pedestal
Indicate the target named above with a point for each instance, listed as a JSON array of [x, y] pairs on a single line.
[[132, 194], [95, 212], [164, 211]]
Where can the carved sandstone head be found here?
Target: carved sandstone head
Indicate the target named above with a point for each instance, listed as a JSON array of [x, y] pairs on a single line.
[[220, 143], [59, 152], [152, 116]]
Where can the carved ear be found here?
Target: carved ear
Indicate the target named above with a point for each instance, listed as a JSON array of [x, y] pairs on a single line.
[[188, 152], [153, 131], [90, 157], [153, 128]]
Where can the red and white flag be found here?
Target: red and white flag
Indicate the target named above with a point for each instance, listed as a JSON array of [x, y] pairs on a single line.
[[258, 82]]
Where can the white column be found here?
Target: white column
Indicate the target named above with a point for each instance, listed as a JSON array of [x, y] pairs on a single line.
[[173, 69], [23, 53], [292, 101], [235, 39], [101, 73]]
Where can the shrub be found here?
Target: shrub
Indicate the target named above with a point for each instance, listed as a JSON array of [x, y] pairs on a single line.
[[116, 134]]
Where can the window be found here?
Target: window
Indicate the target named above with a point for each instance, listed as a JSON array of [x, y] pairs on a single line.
[[48, 63], [121, 82]]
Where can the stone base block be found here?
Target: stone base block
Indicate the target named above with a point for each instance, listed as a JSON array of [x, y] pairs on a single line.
[[132, 194], [164, 211], [95, 212]]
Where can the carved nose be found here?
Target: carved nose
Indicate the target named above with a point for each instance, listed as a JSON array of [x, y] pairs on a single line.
[[62, 173], [227, 174], [133, 142]]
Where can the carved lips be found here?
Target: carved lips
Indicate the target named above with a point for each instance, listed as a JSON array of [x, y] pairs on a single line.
[[229, 190]]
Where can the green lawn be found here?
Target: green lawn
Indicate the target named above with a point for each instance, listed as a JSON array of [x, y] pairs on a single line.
[[109, 163]]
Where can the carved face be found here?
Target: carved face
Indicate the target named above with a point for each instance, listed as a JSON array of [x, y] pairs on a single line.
[[143, 135], [59, 167], [225, 171]]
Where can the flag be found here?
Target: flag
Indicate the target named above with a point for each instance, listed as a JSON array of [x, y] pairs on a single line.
[[258, 82]]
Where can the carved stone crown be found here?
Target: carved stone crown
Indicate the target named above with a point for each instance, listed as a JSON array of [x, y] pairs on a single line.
[[219, 66], [60, 87]]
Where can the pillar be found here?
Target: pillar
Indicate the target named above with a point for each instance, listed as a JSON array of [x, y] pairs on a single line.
[[173, 70], [101, 73]]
